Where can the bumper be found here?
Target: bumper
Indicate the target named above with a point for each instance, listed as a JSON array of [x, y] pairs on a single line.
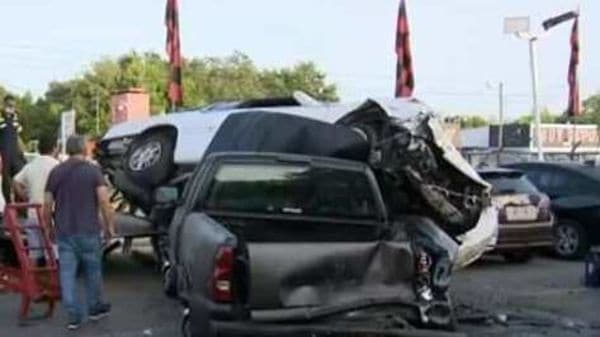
[[522, 236], [368, 318], [293, 330]]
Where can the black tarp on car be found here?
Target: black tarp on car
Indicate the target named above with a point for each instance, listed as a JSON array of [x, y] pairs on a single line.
[[258, 131]]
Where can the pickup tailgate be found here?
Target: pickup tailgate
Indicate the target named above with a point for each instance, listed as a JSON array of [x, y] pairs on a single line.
[[297, 263], [288, 275]]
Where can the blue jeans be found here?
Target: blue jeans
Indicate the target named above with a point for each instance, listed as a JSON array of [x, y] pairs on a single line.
[[84, 251]]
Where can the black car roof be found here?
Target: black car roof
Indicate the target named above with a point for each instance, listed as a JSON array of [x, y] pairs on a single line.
[[498, 171], [592, 172]]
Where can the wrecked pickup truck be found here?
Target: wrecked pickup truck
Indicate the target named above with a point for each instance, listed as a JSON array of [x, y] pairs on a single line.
[[313, 214], [266, 243]]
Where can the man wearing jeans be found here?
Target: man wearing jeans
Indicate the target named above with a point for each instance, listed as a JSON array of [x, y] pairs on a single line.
[[75, 193]]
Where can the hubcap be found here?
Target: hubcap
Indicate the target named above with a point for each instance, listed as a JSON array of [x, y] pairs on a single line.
[[145, 156], [567, 240]]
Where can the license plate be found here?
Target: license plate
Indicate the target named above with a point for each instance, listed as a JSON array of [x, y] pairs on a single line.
[[521, 213]]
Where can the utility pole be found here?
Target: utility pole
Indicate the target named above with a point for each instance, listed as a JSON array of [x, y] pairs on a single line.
[[97, 113], [500, 120]]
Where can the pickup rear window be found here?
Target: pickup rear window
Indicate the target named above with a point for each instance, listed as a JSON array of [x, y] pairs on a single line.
[[293, 189]]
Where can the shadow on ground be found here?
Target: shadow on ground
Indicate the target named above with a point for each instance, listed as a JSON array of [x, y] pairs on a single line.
[[139, 306]]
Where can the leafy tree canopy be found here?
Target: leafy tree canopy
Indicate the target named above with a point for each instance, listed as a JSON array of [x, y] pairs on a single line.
[[206, 80], [546, 115], [471, 122]]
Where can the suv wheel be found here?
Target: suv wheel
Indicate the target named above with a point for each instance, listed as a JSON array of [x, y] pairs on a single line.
[[149, 158], [570, 239]]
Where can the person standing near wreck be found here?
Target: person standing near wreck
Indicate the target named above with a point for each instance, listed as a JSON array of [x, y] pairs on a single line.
[[30, 184], [11, 148], [76, 193]]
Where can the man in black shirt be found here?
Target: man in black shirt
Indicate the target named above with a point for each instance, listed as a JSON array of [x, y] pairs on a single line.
[[76, 193], [13, 158]]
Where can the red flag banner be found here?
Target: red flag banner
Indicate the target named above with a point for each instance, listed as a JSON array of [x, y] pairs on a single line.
[[175, 89], [405, 81], [557, 20], [573, 77]]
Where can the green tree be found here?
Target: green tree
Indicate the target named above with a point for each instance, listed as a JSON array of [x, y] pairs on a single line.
[[546, 116], [206, 80], [471, 122], [591, 111]]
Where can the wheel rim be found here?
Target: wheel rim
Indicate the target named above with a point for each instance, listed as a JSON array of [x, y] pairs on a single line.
[[145, 156], [567, 240]]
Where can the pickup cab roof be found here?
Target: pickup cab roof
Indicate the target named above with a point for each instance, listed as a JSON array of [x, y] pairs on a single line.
[[288, 158]]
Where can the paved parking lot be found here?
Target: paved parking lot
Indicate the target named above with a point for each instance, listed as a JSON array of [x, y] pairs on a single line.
[[541, 298], [139, 308], [544, 297]]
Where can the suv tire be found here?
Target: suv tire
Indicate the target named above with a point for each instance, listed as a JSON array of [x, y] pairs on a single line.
[[149, 158], [570, 239]]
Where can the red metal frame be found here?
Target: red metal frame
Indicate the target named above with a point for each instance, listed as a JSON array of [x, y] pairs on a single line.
[[36, 284]]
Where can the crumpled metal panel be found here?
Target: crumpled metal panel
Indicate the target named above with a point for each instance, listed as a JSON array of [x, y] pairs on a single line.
[[421, 160], [479, 240], [328, 273]]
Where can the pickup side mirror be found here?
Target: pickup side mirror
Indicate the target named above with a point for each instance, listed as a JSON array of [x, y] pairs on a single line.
[[166, 195]]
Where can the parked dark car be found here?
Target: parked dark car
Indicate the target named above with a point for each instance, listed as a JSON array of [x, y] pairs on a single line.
[[574, 190], [524, 216], [282, 244]]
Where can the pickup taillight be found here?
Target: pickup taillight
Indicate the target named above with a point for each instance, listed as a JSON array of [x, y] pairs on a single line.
[[222, 278]]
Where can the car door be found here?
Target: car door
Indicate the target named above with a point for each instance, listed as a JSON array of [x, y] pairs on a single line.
[[558, 182], [548, 180]]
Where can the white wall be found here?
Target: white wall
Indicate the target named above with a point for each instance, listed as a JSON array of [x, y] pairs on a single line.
[[478, 137]]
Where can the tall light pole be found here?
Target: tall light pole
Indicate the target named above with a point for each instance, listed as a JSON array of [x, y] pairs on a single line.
[[519, 26], [500, 88], [534, 90], [500, 119], [98, 113]]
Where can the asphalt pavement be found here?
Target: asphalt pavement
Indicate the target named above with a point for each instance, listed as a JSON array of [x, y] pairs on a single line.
[[544, 297], [139, 307], [541, 298]]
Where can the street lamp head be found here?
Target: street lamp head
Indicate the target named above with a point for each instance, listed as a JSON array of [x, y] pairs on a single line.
[[516, 25]]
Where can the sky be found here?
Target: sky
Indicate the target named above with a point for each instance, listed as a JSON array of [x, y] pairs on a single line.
[[459, 49]]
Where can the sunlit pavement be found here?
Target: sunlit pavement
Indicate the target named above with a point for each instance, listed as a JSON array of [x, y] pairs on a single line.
[[545, 294], [139, 307]]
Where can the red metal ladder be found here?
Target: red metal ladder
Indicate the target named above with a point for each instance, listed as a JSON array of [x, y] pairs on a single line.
[[36, 284]]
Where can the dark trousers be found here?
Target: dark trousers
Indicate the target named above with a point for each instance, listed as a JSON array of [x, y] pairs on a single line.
[[11, 165]]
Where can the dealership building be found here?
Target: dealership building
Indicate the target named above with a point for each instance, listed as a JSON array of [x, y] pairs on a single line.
[[560, 142]]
